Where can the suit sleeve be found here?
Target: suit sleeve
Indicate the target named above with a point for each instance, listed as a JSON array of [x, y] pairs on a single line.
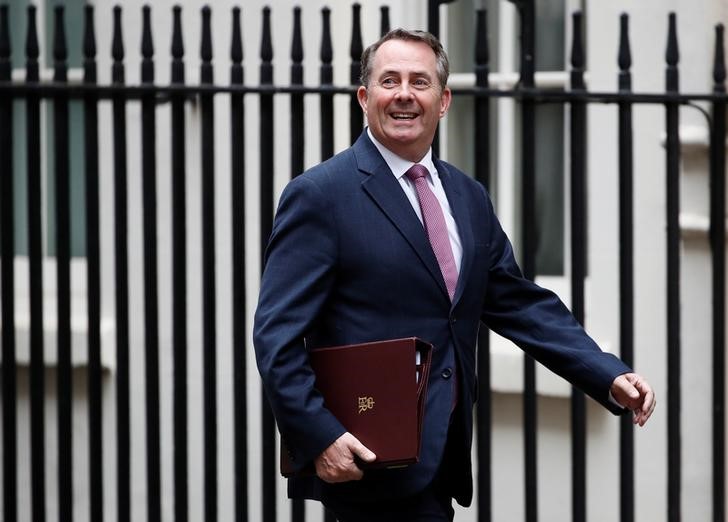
[[298, 276], [536, 320]]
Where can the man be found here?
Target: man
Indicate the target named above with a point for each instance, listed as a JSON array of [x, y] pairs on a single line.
[[366, 248]]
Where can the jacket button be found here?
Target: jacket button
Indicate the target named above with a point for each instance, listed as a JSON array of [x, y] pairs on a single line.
[[446, 373]]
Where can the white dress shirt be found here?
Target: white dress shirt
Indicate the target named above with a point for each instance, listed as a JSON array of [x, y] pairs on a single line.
[[399, 166]]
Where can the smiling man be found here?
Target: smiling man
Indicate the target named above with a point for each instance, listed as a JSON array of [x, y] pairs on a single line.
[[385, 241]]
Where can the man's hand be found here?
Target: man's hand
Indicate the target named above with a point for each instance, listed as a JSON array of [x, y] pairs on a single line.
[[634, 393], [336, 463]]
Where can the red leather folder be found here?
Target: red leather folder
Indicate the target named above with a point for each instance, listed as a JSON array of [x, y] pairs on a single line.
[[377, 391]]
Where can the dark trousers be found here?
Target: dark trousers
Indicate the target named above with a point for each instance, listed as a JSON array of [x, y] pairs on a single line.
[[430, 505], [433, 504]]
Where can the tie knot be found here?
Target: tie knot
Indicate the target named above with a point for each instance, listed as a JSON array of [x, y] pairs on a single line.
[[416, 172]]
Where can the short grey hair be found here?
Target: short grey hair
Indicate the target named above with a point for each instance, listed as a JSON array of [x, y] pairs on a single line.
[[443, 64]]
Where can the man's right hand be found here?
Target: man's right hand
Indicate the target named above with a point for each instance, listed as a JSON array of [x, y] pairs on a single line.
[[336, 463]]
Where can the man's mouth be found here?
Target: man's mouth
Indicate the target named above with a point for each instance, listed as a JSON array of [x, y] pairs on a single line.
[[404, 115]]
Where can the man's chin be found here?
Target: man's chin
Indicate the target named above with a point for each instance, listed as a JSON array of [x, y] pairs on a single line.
[[403, 136]]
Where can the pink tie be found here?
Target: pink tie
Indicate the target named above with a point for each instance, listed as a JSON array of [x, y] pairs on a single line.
[[435, 227]]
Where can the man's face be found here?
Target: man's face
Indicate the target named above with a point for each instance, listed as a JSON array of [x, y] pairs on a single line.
[[404, 100]]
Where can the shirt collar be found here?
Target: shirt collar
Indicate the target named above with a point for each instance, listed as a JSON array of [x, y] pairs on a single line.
[[398, 165]]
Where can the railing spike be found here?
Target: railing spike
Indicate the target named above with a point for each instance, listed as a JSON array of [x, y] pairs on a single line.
[[719, 72], [206, 45], [236, 46], [206, 72], [32, 50], [356, 118], [672, 55], [577, 53], [117, 48], [384, 25], [117, 39], [60, 54], [356, 48], [89, 45], [59, 40], [577, 43], [31, 47], [178, 48], [482, 53], [4, 35], [147, 42], [89, 36], [625, 53], [297, 41], [327, 52], [266, 45]]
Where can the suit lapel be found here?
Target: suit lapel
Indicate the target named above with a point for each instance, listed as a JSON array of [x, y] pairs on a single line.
[[460, 211], [383, 188]]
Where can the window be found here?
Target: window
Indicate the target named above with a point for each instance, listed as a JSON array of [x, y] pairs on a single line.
[[45, 21], [458, 141]]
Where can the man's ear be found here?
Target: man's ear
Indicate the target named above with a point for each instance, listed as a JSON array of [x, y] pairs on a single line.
[[445, 99], [362, 95]]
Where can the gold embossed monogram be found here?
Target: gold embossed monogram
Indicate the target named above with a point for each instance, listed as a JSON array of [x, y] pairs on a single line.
[[365, 403]]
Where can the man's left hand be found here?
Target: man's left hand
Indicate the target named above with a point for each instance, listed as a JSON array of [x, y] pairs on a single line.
[[633, 392]]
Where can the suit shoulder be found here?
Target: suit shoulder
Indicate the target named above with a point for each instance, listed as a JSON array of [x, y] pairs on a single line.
[[331, 173]]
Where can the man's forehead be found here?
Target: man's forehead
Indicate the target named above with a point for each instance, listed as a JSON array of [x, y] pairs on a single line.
[[397, 55]]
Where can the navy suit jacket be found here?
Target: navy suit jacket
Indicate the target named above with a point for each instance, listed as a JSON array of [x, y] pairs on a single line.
[[348, 261]]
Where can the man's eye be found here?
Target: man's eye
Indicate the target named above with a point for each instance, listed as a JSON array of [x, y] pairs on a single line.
[[388, 82], [421, 84]]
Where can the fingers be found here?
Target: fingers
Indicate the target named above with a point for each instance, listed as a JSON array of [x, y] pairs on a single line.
[[337, 464], [645, 410], [624, 392], [361, 451], [633, 392]]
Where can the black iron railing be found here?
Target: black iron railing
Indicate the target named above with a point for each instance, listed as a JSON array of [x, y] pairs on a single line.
[[59, 92]]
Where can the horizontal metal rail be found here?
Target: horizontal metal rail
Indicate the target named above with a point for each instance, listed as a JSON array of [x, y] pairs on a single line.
[[51, 89]]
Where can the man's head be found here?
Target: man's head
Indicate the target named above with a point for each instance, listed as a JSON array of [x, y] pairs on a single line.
[[443, 64], [404, 90]]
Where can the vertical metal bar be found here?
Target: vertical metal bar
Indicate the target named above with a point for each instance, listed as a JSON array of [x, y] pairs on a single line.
[[579, 218], [179, 273], [527, 9], [7, 283], [482, 174], [383, 21], [297, 110], [717, 244], [237, 124], [208, 270], [433, 17], [298, 509], [356, 48], [327, 79], [63, 275], [151, 305], [122, 301], [267, 138], [673, 277], [626, 267], [433, 26], [93, 278], [35, 259]]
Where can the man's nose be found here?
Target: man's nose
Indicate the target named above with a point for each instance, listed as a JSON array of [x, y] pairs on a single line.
[[404, 91]]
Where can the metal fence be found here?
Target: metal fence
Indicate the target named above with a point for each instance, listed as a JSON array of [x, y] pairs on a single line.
[[34, 94]]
